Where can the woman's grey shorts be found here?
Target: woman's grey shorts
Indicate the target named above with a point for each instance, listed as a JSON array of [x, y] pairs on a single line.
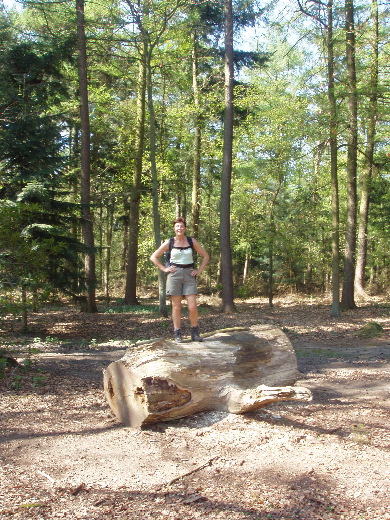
[[181, 282]]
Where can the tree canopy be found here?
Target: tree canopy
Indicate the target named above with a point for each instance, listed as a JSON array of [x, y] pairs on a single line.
[[157, 115]]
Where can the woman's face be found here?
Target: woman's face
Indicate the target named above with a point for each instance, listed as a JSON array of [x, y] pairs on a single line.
[[179, 228]]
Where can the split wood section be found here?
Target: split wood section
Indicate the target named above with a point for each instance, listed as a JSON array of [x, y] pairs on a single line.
[[236, 372]]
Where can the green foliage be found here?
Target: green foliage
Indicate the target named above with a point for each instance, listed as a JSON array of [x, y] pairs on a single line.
[[38, 254], [35, 251], [30, 138], [132, 309], [371, 330], [281, 183], [17, 374]]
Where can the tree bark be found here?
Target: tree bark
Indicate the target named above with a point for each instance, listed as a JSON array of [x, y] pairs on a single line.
[[195, 212], [24, 327], [348, 296], [163, 311], [225, 246], [236, 372], [271, 242], [87, 226], [135, 197], [335, 312], [107, 263], [125, 226], [246, 264], [369, 161], [271, 262]]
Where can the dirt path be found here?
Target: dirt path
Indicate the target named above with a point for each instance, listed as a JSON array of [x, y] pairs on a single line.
[[65, 456]]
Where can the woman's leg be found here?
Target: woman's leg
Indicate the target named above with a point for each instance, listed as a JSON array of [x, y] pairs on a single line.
[[176, 311], [192, 309]]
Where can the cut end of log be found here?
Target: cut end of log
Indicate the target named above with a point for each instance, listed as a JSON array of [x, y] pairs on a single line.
[[162, 395], [141, 401]]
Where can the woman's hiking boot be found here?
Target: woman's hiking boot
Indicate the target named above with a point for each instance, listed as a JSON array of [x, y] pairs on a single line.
[[195, 334], [178, 338]]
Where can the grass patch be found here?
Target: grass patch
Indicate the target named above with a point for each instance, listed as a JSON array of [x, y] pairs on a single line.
[[15, 373], [132, 309], [371, 330], [319, 352]]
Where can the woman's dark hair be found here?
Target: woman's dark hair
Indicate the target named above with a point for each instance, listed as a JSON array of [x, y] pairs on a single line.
[[180, 219]]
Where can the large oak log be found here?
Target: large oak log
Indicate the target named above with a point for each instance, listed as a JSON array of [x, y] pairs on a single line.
[[235, 371]]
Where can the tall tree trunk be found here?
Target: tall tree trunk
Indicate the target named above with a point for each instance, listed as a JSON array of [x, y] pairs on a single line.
[[135, 197], [271, 242], [107, 266], [89, 262], [125, 225], [181, 201], [96, 195], [100, 270], [333, 168], [246, 264], [369, 160], [226, 255], [197, 143], [271, 263], [24, 328], [163, 311], [348, 294]]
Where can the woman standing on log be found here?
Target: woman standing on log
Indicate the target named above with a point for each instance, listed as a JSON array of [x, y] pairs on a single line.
[[181, 275]]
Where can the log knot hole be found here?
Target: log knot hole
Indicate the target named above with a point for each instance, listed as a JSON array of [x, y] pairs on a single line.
[[161, 394], [110, 389]]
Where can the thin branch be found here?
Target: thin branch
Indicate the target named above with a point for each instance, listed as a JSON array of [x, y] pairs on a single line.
[[311, 15], [195, 470]]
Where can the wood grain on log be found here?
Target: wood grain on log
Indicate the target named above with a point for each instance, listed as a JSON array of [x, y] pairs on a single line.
[[237, 372]]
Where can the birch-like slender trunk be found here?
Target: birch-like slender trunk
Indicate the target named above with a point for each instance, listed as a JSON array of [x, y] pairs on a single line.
[[135, 197], [333, 168], [226, 255], [369, 160], [163, 311], [195, 211], [348, 293], [87, 226]]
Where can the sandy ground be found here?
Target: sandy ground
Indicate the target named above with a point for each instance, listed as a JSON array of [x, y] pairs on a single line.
[[65, 456]]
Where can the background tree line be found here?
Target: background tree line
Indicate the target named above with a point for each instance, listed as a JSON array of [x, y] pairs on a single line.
[[307, 200]]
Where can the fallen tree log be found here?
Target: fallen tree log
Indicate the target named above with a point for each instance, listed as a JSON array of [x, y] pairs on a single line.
[[237, 372]]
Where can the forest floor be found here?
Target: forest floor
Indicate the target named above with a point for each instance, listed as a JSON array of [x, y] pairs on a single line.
[[63, 454]]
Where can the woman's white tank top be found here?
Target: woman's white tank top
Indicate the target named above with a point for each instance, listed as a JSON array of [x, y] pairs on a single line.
[[182, 255]]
